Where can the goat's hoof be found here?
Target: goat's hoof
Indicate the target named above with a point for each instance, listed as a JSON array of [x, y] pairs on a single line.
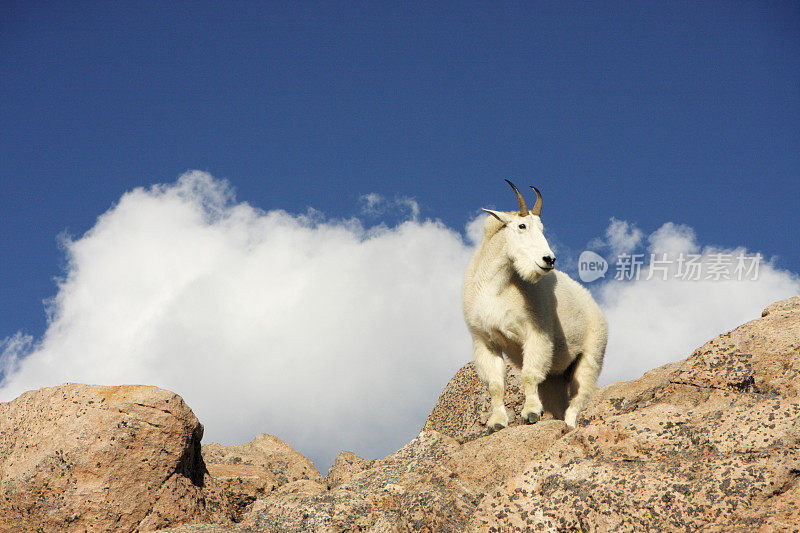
[[532, 418], [496, 427]]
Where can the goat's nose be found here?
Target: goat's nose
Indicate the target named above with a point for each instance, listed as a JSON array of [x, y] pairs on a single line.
[[549, 260]]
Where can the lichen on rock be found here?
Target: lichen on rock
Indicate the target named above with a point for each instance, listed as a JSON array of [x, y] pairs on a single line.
[[708, 443]]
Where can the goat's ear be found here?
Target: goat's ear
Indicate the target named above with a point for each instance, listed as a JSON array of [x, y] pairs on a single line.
[[499, 215]]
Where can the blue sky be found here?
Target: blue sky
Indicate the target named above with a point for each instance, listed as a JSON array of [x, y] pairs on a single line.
[[649, 112], [643, 111]]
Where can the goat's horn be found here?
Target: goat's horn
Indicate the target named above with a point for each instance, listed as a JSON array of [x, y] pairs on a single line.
[[523, 209], [537, 207]]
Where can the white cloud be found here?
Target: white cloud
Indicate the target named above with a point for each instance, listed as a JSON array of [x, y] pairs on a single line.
[[474, 228], [673, 239], [326, 333], [622, 237], [374, 205]]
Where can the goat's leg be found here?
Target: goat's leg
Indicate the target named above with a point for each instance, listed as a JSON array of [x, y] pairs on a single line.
[[491, 369], [537, 359], [584, 378]]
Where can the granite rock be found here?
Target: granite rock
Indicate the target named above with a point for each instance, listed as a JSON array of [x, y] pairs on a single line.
[[85, 457]]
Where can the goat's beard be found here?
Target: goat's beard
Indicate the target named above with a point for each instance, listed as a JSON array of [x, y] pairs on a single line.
[[527, 271]]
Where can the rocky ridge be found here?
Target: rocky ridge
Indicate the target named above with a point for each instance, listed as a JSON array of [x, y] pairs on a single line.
[[711, 442]]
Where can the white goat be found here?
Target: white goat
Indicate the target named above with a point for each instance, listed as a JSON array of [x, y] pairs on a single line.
[[544, 321]]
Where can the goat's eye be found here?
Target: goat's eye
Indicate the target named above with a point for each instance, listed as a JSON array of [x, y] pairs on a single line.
[[522, 226]]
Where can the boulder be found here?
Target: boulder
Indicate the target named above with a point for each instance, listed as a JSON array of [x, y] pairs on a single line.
[[85, 457], [252, 470], [464, 406]]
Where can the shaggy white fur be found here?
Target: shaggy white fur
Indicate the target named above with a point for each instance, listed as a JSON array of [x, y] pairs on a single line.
[[516, 303]]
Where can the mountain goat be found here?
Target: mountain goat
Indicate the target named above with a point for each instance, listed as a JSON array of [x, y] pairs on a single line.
[[544, 321]]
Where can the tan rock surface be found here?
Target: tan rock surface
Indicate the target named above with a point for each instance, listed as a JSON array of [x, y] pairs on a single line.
[[412, 489], [464, 406], [252, 470], [711, 443], [433, 483], [84, 457], [485, 463], [345, 466], [783, 305]]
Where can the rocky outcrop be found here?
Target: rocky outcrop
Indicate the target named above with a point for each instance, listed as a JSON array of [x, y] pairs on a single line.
[[782, 305], [464, 406], [709, 443], [410, 486], [253, 470], [345, 466], [84, 457]]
